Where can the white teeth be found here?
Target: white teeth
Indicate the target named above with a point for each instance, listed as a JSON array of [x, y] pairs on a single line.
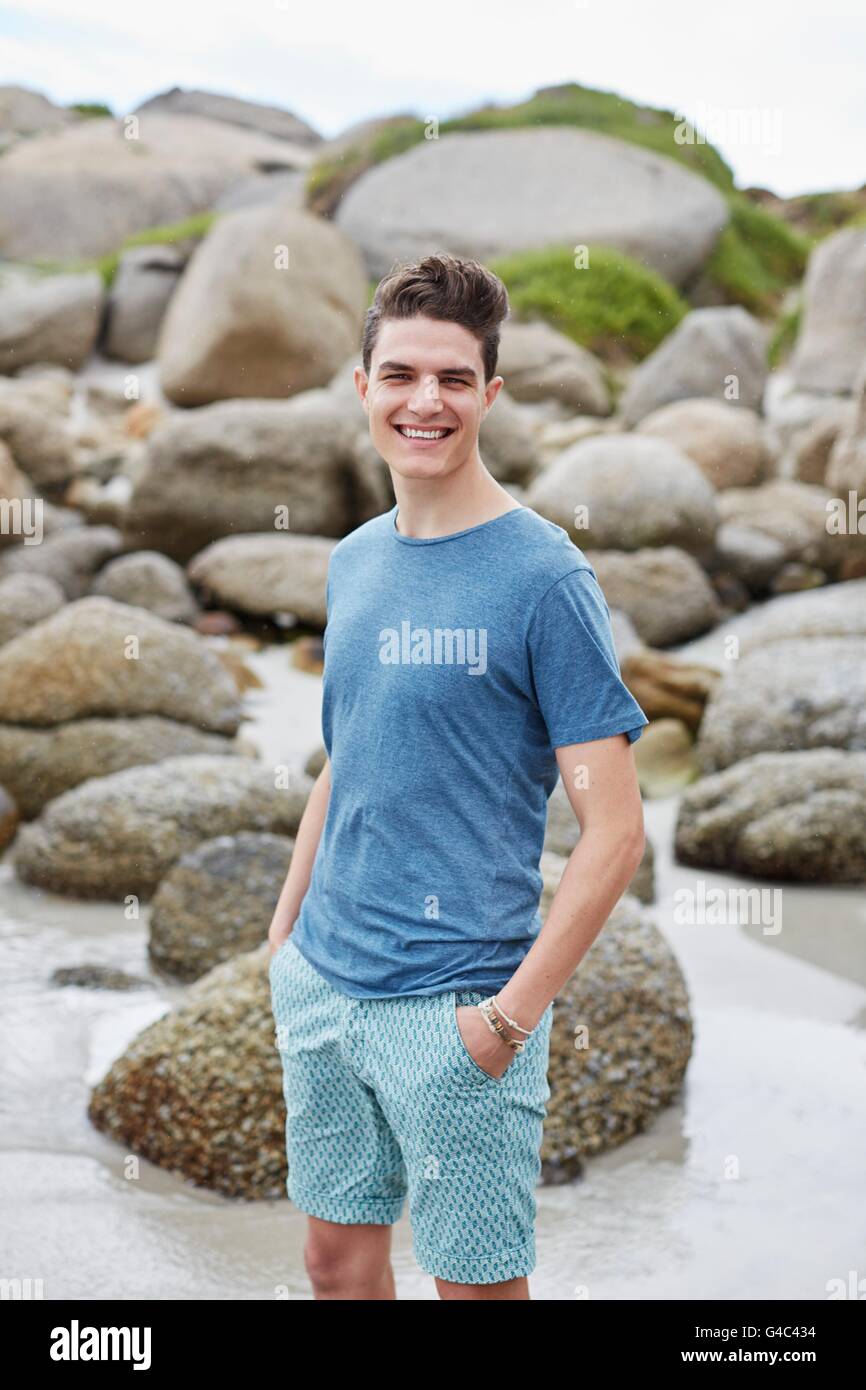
[[421, 434]]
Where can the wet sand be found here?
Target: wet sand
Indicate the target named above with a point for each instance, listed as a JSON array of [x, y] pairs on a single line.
[[750, 1188]]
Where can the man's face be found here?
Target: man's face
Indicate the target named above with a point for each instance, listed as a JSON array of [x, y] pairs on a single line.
[[425, 375]]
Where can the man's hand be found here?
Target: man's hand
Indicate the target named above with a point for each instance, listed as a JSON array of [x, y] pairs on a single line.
[[486, 1049], [276, 939]]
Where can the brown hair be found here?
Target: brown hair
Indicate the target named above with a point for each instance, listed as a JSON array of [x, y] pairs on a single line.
[[442, 287]]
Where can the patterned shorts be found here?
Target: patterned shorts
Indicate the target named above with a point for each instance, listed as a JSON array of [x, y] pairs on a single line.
[[383, 1100]]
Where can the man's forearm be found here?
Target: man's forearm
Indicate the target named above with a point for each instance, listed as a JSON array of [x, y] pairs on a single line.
[[597, 874], [300, 872]]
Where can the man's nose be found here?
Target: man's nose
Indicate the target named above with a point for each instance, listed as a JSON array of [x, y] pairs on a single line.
[[425, 399]]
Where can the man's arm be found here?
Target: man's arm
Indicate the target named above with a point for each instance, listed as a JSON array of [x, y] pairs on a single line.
[[601, 782], [303, 857]]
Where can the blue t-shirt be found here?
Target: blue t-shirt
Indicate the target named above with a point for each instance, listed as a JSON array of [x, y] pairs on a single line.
[[453, 667]]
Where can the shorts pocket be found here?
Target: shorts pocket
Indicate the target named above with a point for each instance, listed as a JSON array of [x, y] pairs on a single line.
[[466, 1063]]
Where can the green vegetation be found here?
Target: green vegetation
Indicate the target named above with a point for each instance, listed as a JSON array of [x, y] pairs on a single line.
[[756, 258], [192, 227], [615, 307], [90, 108], [784, 336]]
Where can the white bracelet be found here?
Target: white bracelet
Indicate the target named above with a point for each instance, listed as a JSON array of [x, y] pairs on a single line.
[[510, 1021]]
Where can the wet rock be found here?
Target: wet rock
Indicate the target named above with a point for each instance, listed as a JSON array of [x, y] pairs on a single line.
[[217, 901], [798, 816], [119, 835]]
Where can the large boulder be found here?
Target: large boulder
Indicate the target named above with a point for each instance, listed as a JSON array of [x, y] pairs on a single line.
[[846, 467], [71, 557], [717, 353], [235, 111], [217, 901], [539, 363], [664, 591], [26, 112], [98, 657], [266, 575], [146, 279], [631, 492], [831, 343], [795, 515], [37, 765], [25, 599], [38, 436], [81, 192], [248, 320], [620, 1045], [233, 467], [798, 816], [488, 193], [119, 835], [147, 579], [55, 318], [725, 442], [786, 696]]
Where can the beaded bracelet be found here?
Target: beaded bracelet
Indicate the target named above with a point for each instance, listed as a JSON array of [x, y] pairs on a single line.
[[510, 1021], [494, 1023]]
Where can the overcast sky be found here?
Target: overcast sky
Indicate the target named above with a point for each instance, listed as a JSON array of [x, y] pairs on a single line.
[[780, 86]]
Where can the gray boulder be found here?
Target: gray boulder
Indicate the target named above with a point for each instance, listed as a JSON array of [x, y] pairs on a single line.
[[55, 318], [145, 282], [831, 343], [267, 574], [664, 592]]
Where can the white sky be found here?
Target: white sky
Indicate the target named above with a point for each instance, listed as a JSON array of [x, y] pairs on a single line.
[[794, 71]]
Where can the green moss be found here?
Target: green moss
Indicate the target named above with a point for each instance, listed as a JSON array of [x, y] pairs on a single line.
[[616, 307], [756, 259], [90, 108], [784, 337]]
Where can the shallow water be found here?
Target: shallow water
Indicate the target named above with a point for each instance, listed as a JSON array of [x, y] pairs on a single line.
[[773, 1094]]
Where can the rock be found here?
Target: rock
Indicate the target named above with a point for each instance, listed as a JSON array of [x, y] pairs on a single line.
[[539, 363], [38, 765], [831, 343], [147, 579], [248, 115], [288, 188], [9, 819], [40, 442], [812, 445], [20, 516], [665, 592], [668, 762], [54, 318], [795, 515], [724, 441], [217, 901], [797, 816], [70, 557], [669, 690], [620, 1041], [846, 469], [196, 484], [507, 443], [625, 639], [632, 492], [557, 435], [271, 302], [794, 694], [267, 574], [316, 761], [98, 657], [794, 577], [145, 282], [93, 975], [25, 599], [749, 555], [119, 835], [563, 832], [710, 352], [82, 192], [25, 112], [213, 1057], [463, 200]]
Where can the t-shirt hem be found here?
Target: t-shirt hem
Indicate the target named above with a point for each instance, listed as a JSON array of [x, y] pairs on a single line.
[[632, 731]]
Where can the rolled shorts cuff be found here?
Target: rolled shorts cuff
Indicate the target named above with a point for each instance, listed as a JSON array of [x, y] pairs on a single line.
[[482, 1269], [347, 1211]]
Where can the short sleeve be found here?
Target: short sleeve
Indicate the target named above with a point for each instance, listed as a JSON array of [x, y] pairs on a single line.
[[574, 667]]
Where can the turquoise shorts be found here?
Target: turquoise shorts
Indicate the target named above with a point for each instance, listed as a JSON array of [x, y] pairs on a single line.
[[383, 1100]]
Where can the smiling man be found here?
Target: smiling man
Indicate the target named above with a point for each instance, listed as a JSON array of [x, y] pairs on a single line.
[[412, 981]]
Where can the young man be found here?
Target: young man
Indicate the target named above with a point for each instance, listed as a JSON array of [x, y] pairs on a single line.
[[468, 663]]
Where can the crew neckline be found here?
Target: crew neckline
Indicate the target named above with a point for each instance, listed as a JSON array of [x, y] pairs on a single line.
[[455, 535]]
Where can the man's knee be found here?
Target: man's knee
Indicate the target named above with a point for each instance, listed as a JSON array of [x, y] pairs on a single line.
[[340, 1257]]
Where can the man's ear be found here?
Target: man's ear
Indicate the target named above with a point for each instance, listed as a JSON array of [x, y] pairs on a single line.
[[362, 385], [491, 391]]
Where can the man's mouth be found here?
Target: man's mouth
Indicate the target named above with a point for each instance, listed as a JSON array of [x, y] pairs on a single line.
[[412, 432]]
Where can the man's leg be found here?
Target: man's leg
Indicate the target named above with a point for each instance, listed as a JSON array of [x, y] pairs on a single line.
[[349, 1262], [511, 1289]]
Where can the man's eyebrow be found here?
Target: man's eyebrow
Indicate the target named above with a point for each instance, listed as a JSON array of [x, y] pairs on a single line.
[[446, 371]]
